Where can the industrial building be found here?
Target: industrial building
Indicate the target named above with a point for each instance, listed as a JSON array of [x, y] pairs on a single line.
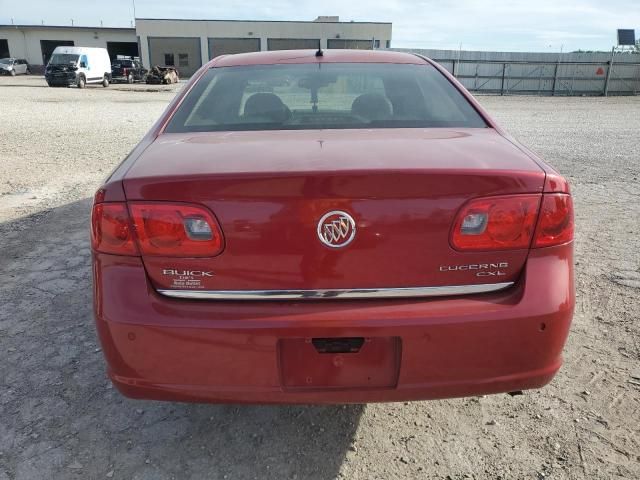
[[188, 44]]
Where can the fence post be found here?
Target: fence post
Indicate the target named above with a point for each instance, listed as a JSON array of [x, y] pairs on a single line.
[[609, 68], [555, 79], [504, 68], [475, 80]]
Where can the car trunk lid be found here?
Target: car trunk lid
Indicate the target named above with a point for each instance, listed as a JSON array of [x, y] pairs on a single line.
[[270, 189]]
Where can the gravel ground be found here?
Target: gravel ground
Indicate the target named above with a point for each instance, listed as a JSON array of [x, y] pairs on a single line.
[[60, 418]]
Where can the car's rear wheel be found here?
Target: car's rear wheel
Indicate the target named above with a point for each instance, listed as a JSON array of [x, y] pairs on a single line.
[[105, 82], [129, 78], [81, 81]]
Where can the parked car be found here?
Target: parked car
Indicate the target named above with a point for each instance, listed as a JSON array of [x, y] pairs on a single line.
[[78, 66], [329, 227], [14, 66], [128, 70], [165, 75]]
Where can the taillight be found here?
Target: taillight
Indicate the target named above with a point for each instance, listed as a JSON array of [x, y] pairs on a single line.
[[496, 223], [111, 230], [555, 223], [176, 230], [509, 222]]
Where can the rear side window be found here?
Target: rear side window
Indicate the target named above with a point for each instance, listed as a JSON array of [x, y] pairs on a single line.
[[323, 96]]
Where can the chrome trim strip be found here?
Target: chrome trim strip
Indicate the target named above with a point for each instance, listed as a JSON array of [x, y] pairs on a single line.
[[372, 293]]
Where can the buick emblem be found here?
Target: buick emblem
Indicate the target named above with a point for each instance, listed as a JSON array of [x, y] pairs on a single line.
[[336, 229]]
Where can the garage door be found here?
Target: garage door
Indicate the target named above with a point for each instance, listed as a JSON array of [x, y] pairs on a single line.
[[229, 46], [48, 46], [293, 43], [128, 49], [180, 52], [346, 43], [4, 48]]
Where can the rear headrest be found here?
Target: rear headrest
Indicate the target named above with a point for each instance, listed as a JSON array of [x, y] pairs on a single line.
[[372, 106], [266, 105]]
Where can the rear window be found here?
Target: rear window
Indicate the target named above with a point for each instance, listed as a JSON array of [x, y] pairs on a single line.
[[323, 96]]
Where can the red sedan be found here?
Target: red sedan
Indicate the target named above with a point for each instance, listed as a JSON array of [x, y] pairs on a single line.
[[338, 226]]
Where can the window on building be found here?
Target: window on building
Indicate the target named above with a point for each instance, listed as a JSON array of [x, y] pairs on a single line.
[[388, 43], [168, 60], [183, 59], [376, 44]]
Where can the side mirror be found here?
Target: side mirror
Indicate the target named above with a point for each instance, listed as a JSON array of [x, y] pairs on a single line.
[[83, 65]]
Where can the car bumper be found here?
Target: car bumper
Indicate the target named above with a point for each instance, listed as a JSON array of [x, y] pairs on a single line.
[[67, 78], [232, 352], [119, 78]]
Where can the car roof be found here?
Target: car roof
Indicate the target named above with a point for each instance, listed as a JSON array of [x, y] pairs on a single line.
[[309, 56]]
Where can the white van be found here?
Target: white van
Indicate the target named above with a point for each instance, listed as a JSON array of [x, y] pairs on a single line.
[[78, 66]]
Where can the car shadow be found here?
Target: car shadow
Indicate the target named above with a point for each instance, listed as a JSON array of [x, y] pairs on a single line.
[[61, 416]]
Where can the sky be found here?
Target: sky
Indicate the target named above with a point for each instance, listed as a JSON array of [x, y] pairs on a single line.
[[506, 25]]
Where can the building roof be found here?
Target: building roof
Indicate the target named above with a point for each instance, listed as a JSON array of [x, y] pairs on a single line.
[[69, 27], [255, 21]]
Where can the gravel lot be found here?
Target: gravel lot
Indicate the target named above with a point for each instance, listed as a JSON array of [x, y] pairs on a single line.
[[60, 418]]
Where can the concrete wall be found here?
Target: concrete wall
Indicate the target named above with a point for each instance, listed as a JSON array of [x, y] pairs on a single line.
[[24, 41], [206, 29]]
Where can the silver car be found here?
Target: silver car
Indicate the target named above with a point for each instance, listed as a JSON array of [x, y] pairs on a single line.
[[13, 66]]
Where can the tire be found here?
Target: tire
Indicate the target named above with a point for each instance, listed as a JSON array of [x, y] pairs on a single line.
[[13, 73], [81, 82], [129, 79], [105, 82]]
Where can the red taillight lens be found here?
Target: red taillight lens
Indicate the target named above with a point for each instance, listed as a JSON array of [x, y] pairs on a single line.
[[176, 230], [555, 225], [111, 230], [496, 223]]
